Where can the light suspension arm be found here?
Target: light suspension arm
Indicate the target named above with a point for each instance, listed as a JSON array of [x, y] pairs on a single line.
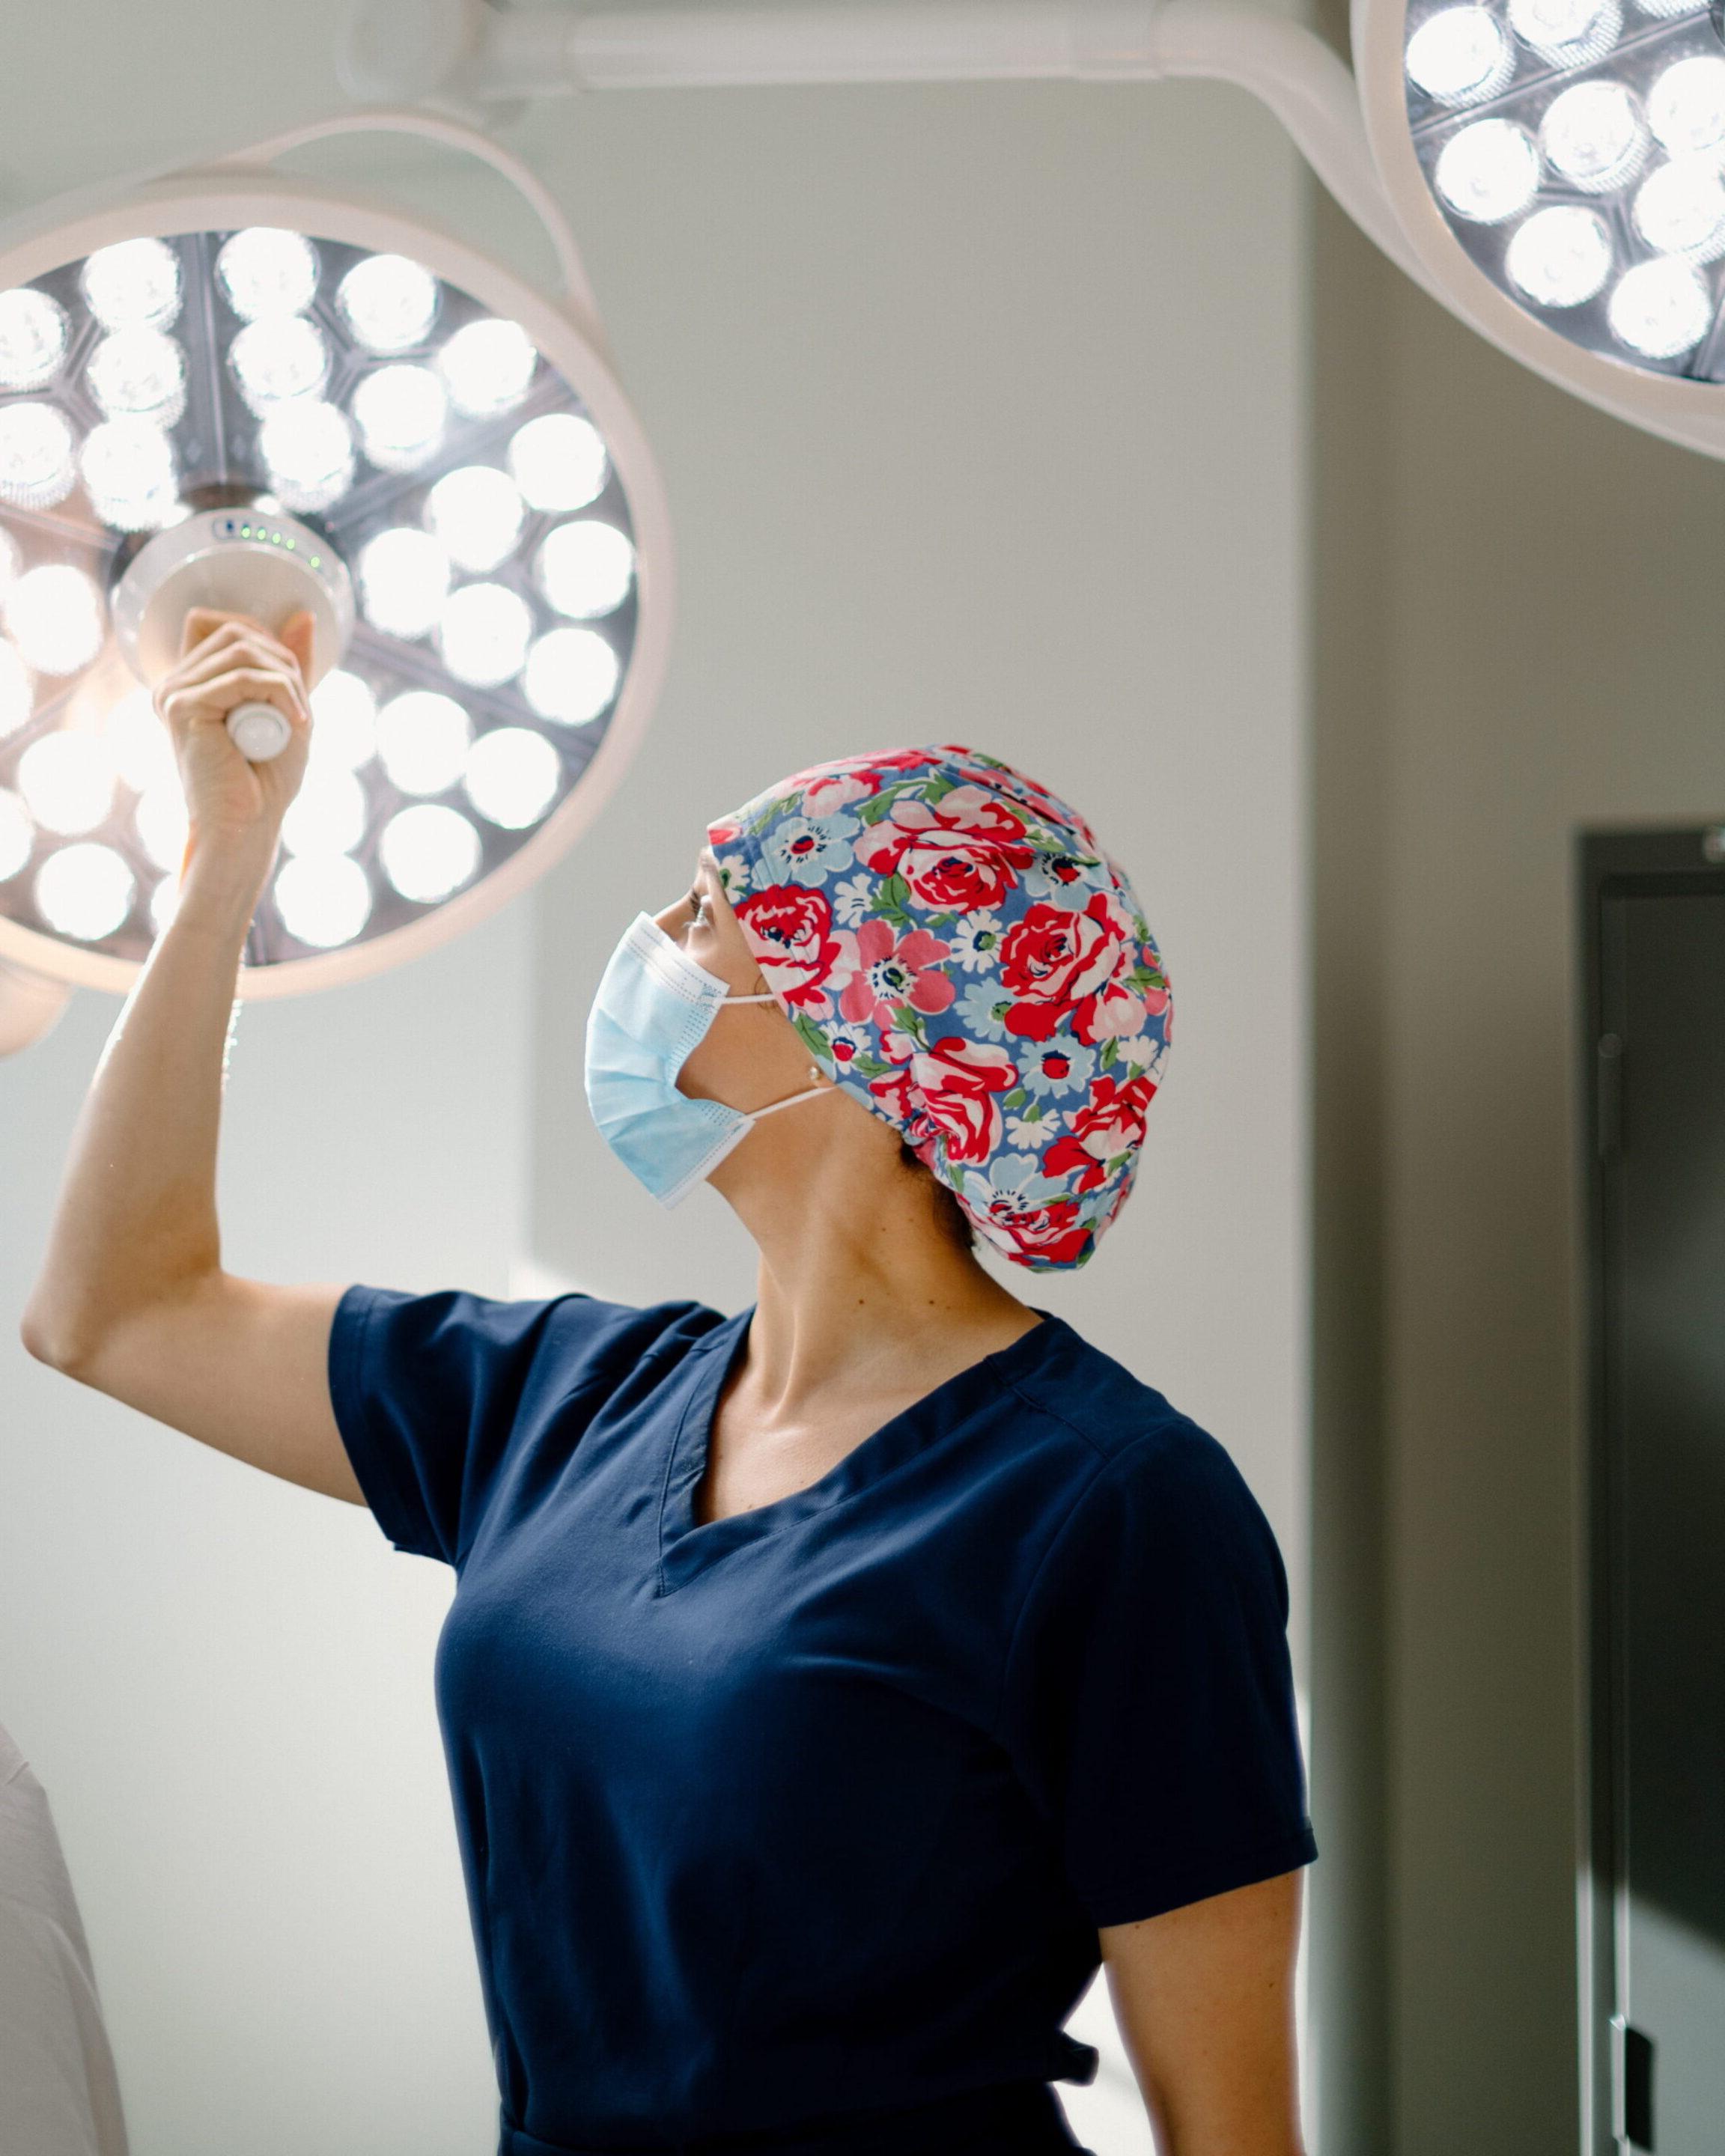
[[469, 53]]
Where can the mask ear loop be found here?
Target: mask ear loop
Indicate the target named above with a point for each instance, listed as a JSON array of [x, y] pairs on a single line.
[[790, 1100]]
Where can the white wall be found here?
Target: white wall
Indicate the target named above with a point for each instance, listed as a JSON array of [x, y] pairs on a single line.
[[981, 414]]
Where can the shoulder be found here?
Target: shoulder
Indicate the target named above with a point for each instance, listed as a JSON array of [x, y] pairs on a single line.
[[1081, 1396], [552, 1346], [1125, 1459]]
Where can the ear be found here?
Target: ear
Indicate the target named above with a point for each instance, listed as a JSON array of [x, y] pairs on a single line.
[[298, 633]]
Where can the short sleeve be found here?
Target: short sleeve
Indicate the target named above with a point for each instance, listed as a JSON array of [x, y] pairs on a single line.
[[1148, 1703], [429, 1392]]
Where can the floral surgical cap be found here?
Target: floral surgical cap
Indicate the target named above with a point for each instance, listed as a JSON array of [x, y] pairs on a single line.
[[963, 958]]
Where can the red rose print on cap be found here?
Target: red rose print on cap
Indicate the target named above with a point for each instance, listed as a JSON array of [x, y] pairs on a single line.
[[1111, 1122], [960, 853], [953, 1095], [1064, 970], [789, 929]]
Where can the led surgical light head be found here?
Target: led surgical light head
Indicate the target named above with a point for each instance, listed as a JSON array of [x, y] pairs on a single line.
[[237, 391]]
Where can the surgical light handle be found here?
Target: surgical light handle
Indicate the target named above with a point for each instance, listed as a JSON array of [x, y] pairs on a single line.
[[258, 732]]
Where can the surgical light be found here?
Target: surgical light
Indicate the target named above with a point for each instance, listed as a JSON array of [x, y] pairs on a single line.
[[84, 890], [1680, 209], [1627, 110], [586, 567], [1661, 309], [558, 462], [344, 719], [1459, 55], [231, 388], [139, 743], [476, 513], [138, 374], [328, 813], [1686, 107], [66, 781], [487, 367], [53, 615], [389, 302], [278, 358], [306, 451], [422, 740], [38, 455], [571, 675], [1560, 256], [34, 335], [483, 631], [1488, 171], [429, 851], [511, 773], [135, 283], [263, 272], [324, 898], [401, 413], [1592, 137], [404, 580]]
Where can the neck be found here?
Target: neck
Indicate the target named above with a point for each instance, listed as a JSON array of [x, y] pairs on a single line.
[[858, 1284]]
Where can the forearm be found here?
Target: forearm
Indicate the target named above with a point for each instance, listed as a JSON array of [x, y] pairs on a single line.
[[136, 1218]]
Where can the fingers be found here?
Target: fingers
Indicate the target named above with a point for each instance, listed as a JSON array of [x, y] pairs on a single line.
[[227, 656], [299, 633], [181, 704], [236, 633], [203, 622]]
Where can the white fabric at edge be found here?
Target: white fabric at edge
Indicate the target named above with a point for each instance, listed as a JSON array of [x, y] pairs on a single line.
[[59, 2095]]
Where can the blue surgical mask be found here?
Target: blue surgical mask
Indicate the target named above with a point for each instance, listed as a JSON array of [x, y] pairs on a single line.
[[654, 1005]]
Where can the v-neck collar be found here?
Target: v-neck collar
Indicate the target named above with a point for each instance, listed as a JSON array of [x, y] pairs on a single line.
[[687, 1546]]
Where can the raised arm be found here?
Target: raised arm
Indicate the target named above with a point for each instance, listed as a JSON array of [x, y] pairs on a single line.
[[132, 1298]]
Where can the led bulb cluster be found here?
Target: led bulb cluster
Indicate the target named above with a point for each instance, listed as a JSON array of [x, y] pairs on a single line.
[[1576, 148], [444, 460]]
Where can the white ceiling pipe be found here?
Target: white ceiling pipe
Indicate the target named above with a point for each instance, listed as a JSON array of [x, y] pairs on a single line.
[[468, 52]]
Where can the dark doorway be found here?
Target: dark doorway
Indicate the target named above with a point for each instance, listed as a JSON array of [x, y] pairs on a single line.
[[1654, 1906]]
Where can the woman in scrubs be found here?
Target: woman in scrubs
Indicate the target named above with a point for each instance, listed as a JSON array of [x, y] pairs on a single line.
[[828, 1688]]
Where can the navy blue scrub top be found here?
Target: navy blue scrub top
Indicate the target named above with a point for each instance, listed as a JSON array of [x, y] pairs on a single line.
[[814, 1811]]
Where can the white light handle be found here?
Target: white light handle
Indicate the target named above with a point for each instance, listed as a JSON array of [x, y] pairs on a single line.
[[258, 732]]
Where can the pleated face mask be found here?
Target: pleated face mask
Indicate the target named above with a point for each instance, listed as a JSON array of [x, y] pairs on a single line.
[[653, 1007]]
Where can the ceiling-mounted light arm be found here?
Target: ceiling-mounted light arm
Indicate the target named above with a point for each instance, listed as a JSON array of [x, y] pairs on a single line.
[[470, 53], [1308, 86]]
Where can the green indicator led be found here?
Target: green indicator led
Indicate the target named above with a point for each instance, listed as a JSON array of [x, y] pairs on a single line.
[[245, 531], [275, 538], [290, 545], [317, 561]]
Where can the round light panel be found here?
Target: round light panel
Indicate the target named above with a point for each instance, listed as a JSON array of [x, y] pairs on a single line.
[[312, 394], [1576, 148]]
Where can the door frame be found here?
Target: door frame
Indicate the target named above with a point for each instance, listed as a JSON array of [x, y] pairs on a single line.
[[1660, 861]]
